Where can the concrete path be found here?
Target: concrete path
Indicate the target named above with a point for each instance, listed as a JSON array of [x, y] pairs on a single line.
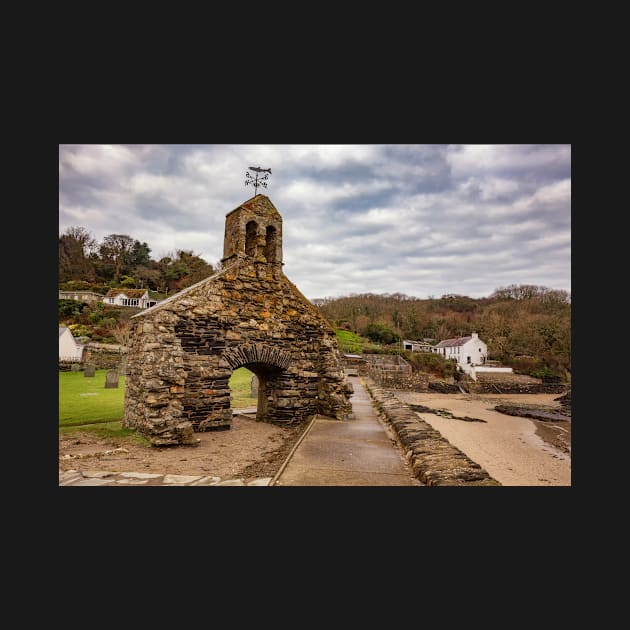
[[355, 452]]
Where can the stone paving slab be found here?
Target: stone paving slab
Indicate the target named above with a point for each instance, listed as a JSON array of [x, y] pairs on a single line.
[[132, 478], [140, 475], [181, 479], [93, 482], [97, 473]]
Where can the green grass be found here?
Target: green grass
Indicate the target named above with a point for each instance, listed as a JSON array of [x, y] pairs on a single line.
[[241, 386], [85, 401], [105, 430], [351, 343]]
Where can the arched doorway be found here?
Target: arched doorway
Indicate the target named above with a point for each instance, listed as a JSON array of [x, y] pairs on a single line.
[[266, 380], [269, 364]]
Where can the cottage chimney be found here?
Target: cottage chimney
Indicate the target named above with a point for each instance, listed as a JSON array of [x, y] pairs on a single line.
[[474, 335]]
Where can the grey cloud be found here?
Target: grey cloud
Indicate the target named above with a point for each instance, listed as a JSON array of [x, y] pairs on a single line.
[[417, 219]]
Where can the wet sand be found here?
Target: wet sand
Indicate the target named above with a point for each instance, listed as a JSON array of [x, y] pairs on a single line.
[[506, 446]]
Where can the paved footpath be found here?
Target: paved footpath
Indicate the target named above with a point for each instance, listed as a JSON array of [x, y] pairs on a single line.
[[356, 452]]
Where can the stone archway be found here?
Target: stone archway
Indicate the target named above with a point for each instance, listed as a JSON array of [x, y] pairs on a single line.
[[268, 364]]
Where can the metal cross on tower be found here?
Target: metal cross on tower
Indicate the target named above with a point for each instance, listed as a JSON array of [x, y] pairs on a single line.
[[257, 180]]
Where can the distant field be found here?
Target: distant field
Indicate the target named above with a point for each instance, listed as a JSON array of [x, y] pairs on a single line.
[[86, 401], [353, 344]]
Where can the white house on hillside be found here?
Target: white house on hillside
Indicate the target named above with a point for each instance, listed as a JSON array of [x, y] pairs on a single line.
[[69, 349], [138, 298], [465, 350]]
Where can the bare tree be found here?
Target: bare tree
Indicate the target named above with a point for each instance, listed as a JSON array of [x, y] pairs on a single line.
[[122, 332]]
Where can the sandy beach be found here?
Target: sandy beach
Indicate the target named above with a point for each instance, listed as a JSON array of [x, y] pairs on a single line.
[[506, 446]]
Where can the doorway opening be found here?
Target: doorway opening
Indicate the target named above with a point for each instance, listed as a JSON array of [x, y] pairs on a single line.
[[251, 387]]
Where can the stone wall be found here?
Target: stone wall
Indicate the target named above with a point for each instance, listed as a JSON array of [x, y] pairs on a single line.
[[432, 458], [515, 388], [66, 366], [105, 356], [390, 370]]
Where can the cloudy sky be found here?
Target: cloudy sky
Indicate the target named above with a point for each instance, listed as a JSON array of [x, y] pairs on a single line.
[[421, 219]]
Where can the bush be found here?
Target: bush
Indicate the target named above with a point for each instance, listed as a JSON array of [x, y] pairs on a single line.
[[95, 317], [431, 362], [70, 308], [380, 333]]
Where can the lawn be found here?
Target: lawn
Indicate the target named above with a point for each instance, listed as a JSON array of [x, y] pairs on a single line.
[[84, 400], [241, 385]]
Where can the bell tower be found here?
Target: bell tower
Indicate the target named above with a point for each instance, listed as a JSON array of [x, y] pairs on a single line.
[[253, 231]]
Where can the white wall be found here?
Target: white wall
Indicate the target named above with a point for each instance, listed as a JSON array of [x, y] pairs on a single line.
[[472, 370], [476, 349], [118, 300], [69, 350]]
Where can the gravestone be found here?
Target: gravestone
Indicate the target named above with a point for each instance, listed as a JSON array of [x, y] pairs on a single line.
[[254, 391], [111, 380], [75, 367], [89, 370]]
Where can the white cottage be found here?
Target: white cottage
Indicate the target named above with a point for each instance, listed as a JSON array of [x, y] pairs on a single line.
[[137, 298], [69, 349], [467, 351]]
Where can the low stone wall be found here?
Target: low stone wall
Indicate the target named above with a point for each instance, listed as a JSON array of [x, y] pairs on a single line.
[[415, 382], [447, 388], [516, 388], [66, 366], [432, 458], [106, 356]]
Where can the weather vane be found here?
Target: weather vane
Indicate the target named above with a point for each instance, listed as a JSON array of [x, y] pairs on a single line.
[[257, 180]]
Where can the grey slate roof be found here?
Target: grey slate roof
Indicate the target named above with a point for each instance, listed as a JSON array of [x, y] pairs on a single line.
[[449, 343]]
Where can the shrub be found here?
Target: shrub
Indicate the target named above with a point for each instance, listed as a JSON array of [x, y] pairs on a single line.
[[431, 362]]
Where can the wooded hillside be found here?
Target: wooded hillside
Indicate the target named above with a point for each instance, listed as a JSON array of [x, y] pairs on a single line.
[[527, 327], [121, 261]]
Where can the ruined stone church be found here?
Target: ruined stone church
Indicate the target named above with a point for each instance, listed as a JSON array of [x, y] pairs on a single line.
[[183, 350]]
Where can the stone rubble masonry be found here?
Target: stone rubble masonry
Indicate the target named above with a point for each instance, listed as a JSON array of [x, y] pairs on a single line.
[[432, 458], [183, 351]]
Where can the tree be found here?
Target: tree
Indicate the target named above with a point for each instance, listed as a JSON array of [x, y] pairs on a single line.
[[148, 276], [122, 332], [140, 254], [117, 250], [183, 269], [75, 247]]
